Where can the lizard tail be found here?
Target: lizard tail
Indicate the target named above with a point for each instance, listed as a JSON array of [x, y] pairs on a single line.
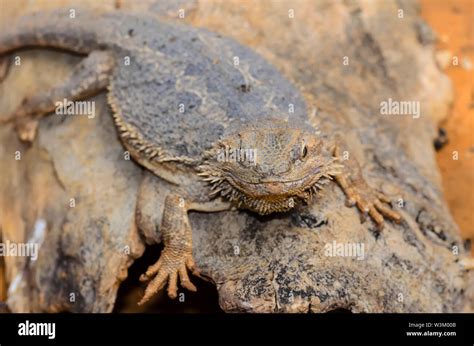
[[63, 29]]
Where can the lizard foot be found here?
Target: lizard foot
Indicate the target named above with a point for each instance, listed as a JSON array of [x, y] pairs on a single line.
[[171, 265], [26, 129], [358, 193], [25, 122], [373, 203]]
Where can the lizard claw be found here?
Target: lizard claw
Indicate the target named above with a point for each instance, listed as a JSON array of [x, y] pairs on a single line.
[[171, 266], [350, 201], [372, 204]]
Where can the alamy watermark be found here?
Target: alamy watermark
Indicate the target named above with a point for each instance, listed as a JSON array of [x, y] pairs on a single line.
[[393, 107], [68, 107], [229, 154], [336, 249], [19, 249], [28, 328]]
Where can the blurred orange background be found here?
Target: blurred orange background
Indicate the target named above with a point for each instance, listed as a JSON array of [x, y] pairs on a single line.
[[453, 22]]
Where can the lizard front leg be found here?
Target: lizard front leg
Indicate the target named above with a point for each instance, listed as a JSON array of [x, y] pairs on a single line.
[[362, 195], [176, 257]]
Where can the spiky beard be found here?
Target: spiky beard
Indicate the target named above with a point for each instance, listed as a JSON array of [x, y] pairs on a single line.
[[222, 186]]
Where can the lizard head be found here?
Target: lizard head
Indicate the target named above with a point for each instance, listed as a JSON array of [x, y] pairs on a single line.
[[269, 167]]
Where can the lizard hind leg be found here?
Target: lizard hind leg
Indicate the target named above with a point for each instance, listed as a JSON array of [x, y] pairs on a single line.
[[89, 77], [176, 258]]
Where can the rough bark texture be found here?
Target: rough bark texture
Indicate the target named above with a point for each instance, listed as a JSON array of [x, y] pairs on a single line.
[[259, 264]]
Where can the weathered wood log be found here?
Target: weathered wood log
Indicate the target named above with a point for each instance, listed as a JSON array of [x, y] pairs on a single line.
[[75, 192]]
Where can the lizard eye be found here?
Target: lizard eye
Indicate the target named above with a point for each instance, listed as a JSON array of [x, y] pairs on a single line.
[[304, 151]]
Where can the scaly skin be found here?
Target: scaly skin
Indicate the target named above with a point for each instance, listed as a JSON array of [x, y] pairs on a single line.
[[292, 162]]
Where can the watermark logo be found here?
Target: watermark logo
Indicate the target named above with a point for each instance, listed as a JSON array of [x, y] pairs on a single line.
[[229, 154], [336, 249], [19, 249], [68, 107], [37, 329], [393, 107]]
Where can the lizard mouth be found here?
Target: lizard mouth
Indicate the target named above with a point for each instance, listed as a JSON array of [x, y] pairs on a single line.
[[269, 195], [273, 181], [272, 188]]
